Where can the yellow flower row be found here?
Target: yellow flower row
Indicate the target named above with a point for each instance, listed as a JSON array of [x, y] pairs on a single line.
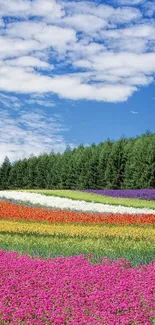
[[72, 230]]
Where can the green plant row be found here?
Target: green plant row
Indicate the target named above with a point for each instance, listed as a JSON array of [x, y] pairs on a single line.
[[137, 252]]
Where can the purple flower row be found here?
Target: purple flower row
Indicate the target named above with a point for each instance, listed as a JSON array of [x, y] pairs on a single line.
[[73, 291], [144, 194]]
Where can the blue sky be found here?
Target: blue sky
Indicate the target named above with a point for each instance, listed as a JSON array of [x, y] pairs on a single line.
[[74, 72]]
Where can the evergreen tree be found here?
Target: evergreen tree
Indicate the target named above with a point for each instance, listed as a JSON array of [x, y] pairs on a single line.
[[137, 173], [66, 159], [93, 172], [13, 177], [83, 165], [41, 171], [72, 173], [68, 148], [104, 152], [31, 172], [151, 162], [51, 170], [114, 173], [57, 179], [126, 163], [4, 174]]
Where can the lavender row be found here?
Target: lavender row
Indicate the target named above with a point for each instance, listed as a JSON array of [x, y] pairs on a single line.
[[144, 194]]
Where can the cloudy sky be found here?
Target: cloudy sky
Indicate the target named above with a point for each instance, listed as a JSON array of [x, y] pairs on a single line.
[[74, 72]]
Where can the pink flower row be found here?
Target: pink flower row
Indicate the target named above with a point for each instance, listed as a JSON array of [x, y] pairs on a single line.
[[73, 291]]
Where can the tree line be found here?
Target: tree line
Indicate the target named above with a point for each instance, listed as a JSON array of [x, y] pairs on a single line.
[[122, 164]]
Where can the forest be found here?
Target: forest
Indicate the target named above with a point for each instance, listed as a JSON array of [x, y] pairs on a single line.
[[128, 163]]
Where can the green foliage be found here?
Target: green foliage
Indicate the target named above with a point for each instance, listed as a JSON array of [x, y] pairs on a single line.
[[4, 174], [137, 252], [104, 153], [41, 171], [114, 173], [140, 165], [31, 172], [126, 163]]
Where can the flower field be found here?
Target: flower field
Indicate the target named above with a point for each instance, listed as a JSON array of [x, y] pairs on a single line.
[[68, 261], [79, 201], [73, 291], [93, 197], [144, 194]]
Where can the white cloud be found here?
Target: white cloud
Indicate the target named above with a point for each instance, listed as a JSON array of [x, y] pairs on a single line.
[[49, 9], [29, 82], [107, 12], [56, 36], [43, 34], [86, 23], [146, 31], [29, 133], [1, 23], [40, 102], [14, 8], [15, 47], [139, 38], [139, 80], [76, 50], [120, 63], [9, 101], [27, 8], [25, 29], [132, 45], [28, 61], [149, 7], [134, 112]]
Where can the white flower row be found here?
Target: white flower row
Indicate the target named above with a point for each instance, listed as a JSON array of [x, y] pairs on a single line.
[[76, 205]]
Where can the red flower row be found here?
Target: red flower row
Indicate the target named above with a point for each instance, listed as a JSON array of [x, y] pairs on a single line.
[[17, 212]]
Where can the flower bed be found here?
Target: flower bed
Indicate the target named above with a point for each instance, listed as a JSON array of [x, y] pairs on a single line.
[[73, 291], [77, 205], [143, 194], [17, 212]]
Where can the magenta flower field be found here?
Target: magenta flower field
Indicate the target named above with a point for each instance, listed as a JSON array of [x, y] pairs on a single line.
[[74, 291]]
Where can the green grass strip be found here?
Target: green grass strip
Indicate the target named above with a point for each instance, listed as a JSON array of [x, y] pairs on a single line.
[[137, 252]]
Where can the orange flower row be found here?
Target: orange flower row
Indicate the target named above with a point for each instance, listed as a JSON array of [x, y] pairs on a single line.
[[17, 212]]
